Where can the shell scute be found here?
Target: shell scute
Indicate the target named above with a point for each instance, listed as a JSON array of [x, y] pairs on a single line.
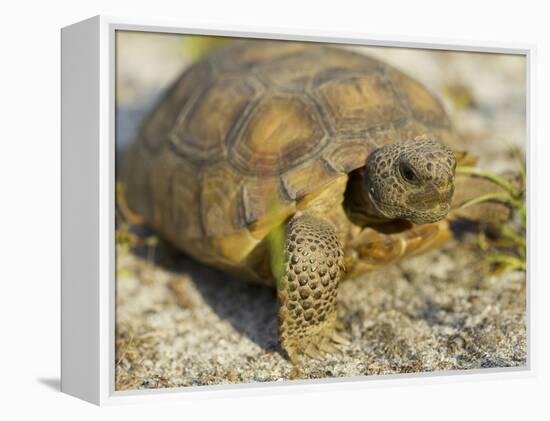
[[359, 103], [157, 127], [220, 200], [281, 132], [304, 179], [201, 133], [260, 197], [345, 156], [173, 188]]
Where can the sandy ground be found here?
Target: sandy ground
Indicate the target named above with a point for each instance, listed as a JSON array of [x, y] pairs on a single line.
[[181, 323], [192, 325]]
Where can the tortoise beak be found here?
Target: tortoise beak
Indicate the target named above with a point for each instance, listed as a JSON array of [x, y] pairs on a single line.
[[432, 202], [425, 198]]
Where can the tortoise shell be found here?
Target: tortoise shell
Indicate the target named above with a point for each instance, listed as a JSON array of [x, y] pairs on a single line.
[[250, 131]]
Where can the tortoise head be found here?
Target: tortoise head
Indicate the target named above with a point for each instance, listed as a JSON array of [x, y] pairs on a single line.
[[412, 181]]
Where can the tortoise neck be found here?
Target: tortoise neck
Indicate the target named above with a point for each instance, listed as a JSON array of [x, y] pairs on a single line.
[[357, 204]]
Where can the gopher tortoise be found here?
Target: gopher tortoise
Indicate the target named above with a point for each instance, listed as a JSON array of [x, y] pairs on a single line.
[[295, 165]]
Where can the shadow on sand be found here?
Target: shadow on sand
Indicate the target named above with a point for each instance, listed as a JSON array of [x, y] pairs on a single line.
[[251, 309]]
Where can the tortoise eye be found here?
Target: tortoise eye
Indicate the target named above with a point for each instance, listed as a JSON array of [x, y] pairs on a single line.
[[408, 173]]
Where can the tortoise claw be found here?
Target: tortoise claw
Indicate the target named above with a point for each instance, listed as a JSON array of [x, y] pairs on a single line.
[[328, 347], [313, 351], [327, 341], [339, 338]]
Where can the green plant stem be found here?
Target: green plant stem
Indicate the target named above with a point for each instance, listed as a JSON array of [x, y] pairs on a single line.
[[490, 197], [514, 236], [512, 261], [521, 165]]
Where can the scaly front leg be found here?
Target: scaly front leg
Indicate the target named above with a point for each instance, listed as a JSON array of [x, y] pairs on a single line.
[[307, 287]]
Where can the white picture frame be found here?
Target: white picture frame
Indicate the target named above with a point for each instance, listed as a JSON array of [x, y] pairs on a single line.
[[88, 255]]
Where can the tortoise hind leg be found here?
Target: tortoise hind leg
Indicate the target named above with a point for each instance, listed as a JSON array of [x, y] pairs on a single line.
[[307, 286]]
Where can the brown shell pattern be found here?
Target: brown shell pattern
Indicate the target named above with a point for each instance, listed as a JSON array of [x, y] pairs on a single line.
[[258, 125]]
